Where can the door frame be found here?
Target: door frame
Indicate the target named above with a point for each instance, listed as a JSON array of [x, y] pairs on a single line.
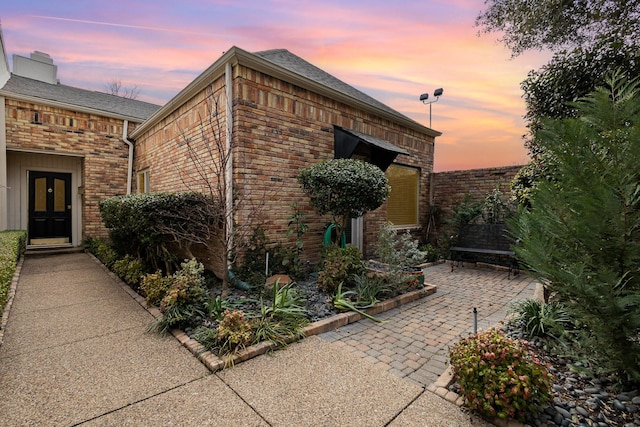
[[51, 215], [76, 200]]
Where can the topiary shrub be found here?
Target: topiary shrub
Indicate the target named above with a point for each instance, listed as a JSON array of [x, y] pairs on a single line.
[[339, 265], [344, 188], [500, 377]]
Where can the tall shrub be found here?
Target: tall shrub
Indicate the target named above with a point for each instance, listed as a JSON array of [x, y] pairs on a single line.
[[581, 235]]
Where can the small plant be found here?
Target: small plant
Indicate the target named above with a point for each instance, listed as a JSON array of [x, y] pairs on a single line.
[[399, 251], [432, 253], [234, 331], [185, 298], [285, 303], [371, 288], [500, 377], [103, 251], [540, 319], [130, 269], [155, 287], [339, 264], [494, 210], [342, 301], [206, 336]]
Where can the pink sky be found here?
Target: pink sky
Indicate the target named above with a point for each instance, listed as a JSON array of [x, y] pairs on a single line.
[[393, 51]]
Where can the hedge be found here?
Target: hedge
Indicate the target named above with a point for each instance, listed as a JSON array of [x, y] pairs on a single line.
[[12, 244]]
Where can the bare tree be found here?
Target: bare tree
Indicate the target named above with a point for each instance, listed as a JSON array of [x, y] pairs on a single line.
[[114, 87], [210, 149]]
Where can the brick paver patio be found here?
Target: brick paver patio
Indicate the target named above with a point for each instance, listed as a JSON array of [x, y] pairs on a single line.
[[414, 340]]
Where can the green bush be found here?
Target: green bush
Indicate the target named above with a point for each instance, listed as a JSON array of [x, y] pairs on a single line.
[[12, 244], [102, 250], [155, 287], [234, 331], [185, 298], [151, 225], [500, 377], [130, 269], [339, 264]]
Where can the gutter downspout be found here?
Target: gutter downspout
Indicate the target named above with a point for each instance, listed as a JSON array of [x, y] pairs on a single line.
[[125, 139], [229, 165]]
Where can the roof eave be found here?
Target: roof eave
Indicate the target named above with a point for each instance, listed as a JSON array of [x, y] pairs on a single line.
[[235, 55], [68, 106]]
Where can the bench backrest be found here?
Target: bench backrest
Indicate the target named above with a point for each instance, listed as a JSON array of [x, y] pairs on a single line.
[[484, 236]]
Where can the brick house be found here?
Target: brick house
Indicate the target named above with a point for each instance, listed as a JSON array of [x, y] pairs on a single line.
[[276, 112], [279, 114], [62, 150]]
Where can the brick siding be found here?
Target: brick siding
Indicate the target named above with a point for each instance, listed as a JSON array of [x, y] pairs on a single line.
[[59, 131], [279, 129]]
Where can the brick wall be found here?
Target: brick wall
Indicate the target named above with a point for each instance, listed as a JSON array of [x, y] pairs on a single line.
[[279, 129], [59, 131], [449, 188]]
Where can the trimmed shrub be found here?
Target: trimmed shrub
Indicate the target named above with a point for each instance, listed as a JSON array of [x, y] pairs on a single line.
[[500, 377], [12, 244], [150, 226]]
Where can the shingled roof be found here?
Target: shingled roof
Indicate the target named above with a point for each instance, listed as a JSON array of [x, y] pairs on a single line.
[[294, 63], [110, 105]]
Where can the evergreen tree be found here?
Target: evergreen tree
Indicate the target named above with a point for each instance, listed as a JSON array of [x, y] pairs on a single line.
[[581, 235]]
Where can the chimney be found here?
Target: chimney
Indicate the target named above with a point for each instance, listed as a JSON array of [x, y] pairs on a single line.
[[39, 66]]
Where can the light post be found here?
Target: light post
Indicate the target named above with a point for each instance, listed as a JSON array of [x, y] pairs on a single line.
[[425, 100]]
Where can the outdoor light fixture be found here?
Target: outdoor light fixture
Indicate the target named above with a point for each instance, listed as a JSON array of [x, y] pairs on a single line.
[[425, 100]]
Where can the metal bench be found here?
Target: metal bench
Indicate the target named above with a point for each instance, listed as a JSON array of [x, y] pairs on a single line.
[[488, 242]]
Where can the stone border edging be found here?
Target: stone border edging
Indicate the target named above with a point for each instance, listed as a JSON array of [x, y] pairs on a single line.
[[215, 363], [11, 293]]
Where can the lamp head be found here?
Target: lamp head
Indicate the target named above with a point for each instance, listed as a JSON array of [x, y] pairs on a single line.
[[424, 97], [438, 92]]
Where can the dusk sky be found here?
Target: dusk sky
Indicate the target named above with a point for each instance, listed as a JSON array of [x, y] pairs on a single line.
[[391, 50]]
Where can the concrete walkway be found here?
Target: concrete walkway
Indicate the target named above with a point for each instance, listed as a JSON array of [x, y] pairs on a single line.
[[76, 352]]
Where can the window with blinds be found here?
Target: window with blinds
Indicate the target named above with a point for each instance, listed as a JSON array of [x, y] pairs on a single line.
[[402, 204]]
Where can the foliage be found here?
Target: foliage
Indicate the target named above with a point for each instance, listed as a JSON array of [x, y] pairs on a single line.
[[432, 253], [499, 377], [151, 226], [344, 188], [185, 298], [337, 266], [292, 259], [234, 331], [581, 236], [466, 211], [130, 269], [12, 244], [370, 289], [342, 301], [494, 209], [102, 250], [285, 303], [539, 319], [556, 25], [155, 287], [400, 251]]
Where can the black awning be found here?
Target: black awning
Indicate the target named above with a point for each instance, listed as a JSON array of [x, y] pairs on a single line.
[[349, 143]]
